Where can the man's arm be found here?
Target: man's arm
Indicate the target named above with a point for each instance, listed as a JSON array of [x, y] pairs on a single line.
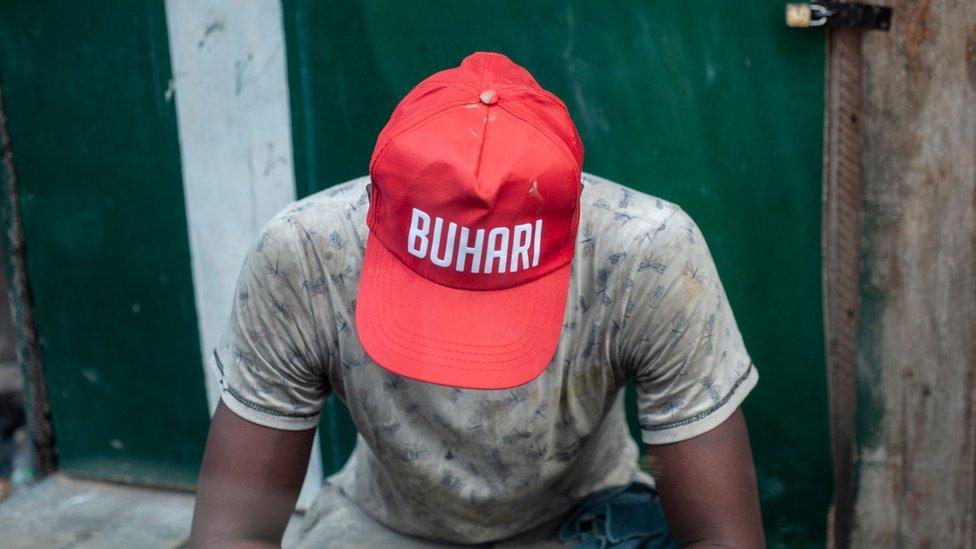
[[249, 482], [707, 485]]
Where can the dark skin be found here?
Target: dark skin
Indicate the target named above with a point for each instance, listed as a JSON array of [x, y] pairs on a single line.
[[249, 482], [707, 486], [251, 476]]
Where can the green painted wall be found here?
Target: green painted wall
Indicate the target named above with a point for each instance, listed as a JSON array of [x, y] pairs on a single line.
[[714, 105], [95, 146]]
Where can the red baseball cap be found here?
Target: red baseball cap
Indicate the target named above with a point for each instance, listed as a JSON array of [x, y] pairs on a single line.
[[474, 205]]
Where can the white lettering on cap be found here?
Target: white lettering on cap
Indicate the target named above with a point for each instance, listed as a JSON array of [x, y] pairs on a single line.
[[465, 250], [419, 226], [487, 254], [497, 249], [444, 260], [521, 237]]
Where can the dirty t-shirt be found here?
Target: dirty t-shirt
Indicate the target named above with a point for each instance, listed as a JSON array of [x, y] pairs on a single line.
[[645, 303]]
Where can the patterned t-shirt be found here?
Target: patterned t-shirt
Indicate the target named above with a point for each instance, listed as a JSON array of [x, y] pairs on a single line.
[[467, 466]]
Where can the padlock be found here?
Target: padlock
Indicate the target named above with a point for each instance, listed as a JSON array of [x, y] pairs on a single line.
[[806, 15], [851, 15]]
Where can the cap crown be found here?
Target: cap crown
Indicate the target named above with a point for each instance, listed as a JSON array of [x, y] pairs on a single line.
[[476, 178]]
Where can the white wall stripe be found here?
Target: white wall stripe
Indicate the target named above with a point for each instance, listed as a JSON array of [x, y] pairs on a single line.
[[235, 142]]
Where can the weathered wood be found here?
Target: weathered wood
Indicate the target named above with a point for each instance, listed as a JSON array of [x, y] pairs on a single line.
[[36, 405], [841, 224], [917, 341]]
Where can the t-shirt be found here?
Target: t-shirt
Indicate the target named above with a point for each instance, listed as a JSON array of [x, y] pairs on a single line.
[[468, 466]]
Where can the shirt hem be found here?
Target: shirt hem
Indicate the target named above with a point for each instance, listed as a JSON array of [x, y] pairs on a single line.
[[713, 418], [248, 412]]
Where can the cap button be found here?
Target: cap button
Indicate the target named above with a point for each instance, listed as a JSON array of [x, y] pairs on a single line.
[[489, 97]]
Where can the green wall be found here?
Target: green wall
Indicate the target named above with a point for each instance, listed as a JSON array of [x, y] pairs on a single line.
[[714, 105], [711, 105], [95, 145]]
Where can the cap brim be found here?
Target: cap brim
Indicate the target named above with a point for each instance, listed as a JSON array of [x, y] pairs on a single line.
[[422, 330]]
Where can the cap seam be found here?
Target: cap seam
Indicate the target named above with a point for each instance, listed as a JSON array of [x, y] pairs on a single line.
[[552, 140], [484, 139], [428, 116]]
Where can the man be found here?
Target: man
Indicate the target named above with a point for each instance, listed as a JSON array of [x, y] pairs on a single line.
[[479, 305]]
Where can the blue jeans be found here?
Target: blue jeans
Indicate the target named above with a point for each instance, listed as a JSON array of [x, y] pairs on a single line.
[[625, 517]]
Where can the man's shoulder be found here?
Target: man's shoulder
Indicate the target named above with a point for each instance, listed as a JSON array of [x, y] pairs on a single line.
[[332, 220], [624, 214], [345, 202], [339, 208]]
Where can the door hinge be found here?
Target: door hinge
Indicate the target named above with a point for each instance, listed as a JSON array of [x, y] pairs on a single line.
[[851, 15]]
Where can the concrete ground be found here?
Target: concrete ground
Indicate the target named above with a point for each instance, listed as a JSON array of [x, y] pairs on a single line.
[[61, 512]]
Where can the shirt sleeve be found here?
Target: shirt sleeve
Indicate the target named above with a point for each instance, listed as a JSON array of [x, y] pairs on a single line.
[[682, 344], [270, 363]]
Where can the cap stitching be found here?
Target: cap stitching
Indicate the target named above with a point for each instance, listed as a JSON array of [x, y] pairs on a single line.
[[412, 118], [402, 342], [442, 365], [571, 158], [484, 139], [414, 124], [521, 342], [401, 327]]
